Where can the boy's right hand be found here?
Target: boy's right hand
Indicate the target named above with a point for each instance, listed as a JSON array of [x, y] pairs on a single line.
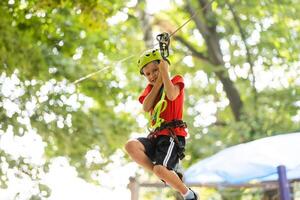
[[159, 79]]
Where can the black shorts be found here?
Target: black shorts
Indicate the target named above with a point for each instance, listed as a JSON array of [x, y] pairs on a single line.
[[163, 150]]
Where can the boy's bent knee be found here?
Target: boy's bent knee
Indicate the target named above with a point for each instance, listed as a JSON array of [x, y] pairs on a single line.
[[132, 145]]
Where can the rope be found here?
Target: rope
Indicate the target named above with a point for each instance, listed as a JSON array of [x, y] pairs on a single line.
[[100, 70], [89, 75], [187, 21]]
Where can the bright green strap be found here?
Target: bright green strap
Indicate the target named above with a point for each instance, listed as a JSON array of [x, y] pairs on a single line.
[[158, 109]]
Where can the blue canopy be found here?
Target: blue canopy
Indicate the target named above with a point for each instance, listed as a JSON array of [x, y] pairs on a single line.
[[253, 161]]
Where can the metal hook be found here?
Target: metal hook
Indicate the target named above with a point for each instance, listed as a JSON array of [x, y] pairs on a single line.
[[164, 41]]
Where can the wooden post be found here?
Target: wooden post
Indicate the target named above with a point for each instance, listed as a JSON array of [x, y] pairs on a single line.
[[133, 186]]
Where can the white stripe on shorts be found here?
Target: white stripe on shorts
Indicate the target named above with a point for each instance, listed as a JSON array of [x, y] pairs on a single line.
[[170, 149]]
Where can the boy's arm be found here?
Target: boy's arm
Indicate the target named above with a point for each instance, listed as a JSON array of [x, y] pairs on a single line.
[[150, 98], [172, 91]]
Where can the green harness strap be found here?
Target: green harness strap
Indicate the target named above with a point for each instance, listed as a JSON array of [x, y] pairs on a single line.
[[155, 121]]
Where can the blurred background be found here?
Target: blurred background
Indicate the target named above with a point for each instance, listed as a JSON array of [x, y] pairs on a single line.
[[69, 85]]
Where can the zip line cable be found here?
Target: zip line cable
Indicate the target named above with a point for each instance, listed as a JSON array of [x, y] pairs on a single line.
[[89, 75], [195, 13], [98, 71], [187, 21], [124, 59]]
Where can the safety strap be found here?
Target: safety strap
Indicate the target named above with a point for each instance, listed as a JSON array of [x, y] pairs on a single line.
[[170, 127], [172, 124], [155, 120]]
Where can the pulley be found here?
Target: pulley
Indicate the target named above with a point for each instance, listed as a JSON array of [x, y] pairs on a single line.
[[164, 41]]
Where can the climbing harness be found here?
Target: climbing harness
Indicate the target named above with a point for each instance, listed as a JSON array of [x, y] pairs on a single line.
[[170, 126]]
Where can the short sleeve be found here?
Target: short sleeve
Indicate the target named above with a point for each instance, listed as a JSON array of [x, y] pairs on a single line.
[[145, 93], [178, 80]]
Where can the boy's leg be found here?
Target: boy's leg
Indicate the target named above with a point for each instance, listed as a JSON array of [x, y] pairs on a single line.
[[136, 150], [168, 152], [166, 156], [171, 178], [179, 170]]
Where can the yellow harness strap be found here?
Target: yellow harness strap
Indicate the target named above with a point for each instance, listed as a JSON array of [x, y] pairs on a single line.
[[155, 121]]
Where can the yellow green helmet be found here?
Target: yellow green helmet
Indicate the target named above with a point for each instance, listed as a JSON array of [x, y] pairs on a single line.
[[147, 57]]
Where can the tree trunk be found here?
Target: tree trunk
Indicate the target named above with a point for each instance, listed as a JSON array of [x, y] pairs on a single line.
[[145, 19], [207, 27]]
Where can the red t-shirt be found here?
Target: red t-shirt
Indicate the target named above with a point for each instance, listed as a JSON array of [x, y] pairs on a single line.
[[174, 108]]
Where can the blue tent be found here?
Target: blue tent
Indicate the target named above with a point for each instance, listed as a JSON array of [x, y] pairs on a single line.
[[253, 161]]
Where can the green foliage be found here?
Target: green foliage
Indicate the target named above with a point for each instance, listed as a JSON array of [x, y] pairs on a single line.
[[59, 42]]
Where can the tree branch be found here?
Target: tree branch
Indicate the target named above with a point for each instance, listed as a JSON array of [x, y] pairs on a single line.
[[199, 24], [208, 14], [147, 28], [249, 59], [194, 51], [207, 28]]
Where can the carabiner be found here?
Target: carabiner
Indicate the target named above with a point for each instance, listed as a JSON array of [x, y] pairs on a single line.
[[164, 41]]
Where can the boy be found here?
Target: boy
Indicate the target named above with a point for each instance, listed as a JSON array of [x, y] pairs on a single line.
[[161, 150]]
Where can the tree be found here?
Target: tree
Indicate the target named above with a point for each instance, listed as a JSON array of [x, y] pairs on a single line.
[[239, 60], [45, 47]]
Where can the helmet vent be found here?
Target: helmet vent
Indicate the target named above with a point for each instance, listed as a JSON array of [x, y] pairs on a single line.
[[147, 57]]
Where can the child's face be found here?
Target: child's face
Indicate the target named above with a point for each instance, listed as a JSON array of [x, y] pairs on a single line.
[[151, 72]]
